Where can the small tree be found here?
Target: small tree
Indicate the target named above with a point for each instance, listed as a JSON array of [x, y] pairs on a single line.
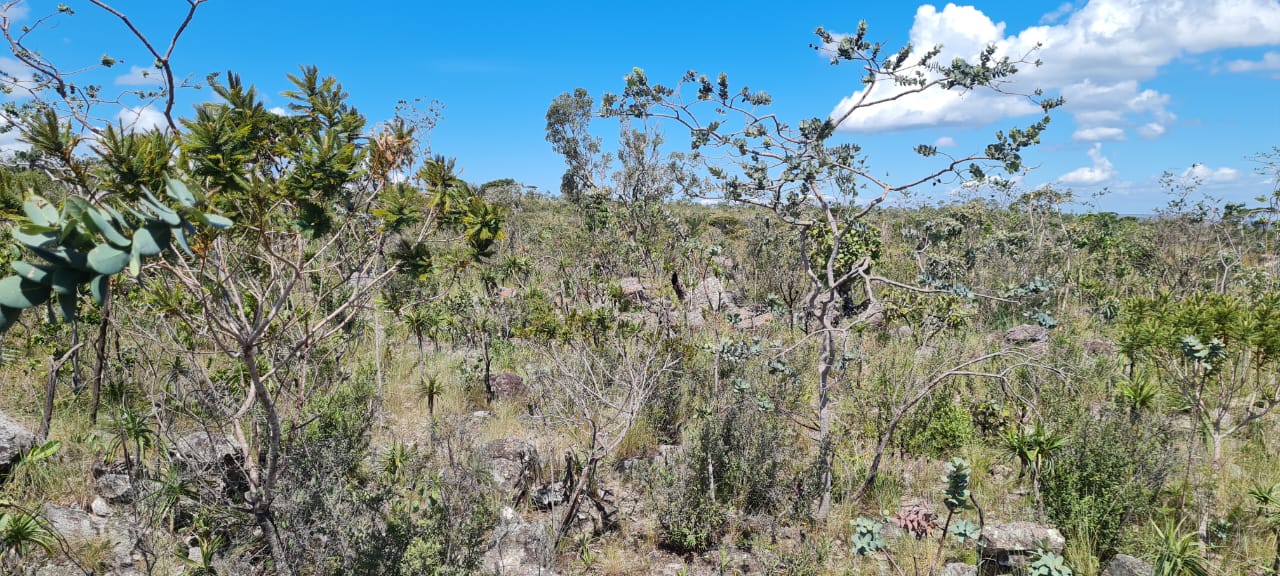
[[810, 182]]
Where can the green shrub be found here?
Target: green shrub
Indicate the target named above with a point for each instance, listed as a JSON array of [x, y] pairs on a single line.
[[941, 427]]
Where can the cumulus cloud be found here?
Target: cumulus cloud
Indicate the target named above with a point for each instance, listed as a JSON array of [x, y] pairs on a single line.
[[1097, 56], [1269, 61], [141, 118], [1098, 134], [1100, 172], [945, 142], [278, 111], [1207, 175], [141, 76]]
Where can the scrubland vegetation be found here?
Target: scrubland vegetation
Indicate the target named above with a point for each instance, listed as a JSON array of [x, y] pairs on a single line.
[[254, 343]]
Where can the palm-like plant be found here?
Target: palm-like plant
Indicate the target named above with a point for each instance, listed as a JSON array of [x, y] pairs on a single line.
[[1033, 447], [1178, 553], [20, 534], [1138, 394], [1268, 501]]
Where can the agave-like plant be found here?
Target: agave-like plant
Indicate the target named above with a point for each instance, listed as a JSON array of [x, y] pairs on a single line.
[[1049, 564], [1178, 553], [1268, 500], [21, 534]]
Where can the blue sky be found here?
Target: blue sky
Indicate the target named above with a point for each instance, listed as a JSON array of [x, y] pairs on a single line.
[[1152, 85]]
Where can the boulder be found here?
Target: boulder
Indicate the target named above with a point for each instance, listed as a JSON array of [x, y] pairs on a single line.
[[1005, 548], [753, 322], [508, 387], [1100, 347], [959, 569], [114, 488], [512, 464], [15, 440], [710, 293], [214, 460], [633, 290], [78, 527], [519, 547], [1125, 565], [1026, 335]]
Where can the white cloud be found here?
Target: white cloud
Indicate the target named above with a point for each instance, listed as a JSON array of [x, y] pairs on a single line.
[[141, 119], [1100, 172], [1057, 14], [1207, 175], [141, 76], [1098, 134], [1097, 57], [16, 12], [278, 111], [1152, 130], [945, 142], [1270, 61]]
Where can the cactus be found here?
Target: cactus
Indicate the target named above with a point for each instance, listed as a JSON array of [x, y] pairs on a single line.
[[83, 244]]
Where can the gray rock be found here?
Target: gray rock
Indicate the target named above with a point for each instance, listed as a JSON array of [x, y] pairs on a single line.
[[512, 464], [901, 332], [519, 547], [1004, 548], [15, 440], [114, 488], [205, 450], [633, 290], [508, 387], [959, 569], [550, 495], [1100, 347], [1026, 335], [754, 322], [99, 507], [1125, 565], [78, 527], [710, 293]]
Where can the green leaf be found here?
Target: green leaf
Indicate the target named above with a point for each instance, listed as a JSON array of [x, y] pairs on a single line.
[[17, 292], [151, 240], [98, 222], [67, 306], [68, 280], [40, 211], [162, 212], [99, 288], [218, 221], [31, 272], [8, 317], [179, 191], [107, 259], [42, 451], [35, 236], [180, 237], [63, 257]]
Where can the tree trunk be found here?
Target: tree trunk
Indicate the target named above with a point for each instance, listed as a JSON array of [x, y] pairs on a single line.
[[825, 361], [100, 352]]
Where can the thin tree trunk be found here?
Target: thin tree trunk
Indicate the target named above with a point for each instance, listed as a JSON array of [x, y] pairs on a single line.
[[50, 389], [100, 353], [265, 490]]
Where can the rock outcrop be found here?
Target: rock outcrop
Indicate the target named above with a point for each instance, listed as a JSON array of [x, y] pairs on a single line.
[[1010, 548]]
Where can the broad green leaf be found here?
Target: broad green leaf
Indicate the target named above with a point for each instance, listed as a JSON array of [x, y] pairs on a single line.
[[107, 259], [31, 272], [16, 292], [40, 211]]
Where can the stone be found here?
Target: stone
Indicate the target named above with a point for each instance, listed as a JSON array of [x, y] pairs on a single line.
[[1026, 335], [901, 332], [511, 463], [99, 507], [959, 569], [114, 488], [1125, 565], [78, 526], [633, 290], [215, 460], [519, 547], [1100, 347], [550, 495], [710, 293], [753, 322], [1005, 548], [508, 387], [15, 440]]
